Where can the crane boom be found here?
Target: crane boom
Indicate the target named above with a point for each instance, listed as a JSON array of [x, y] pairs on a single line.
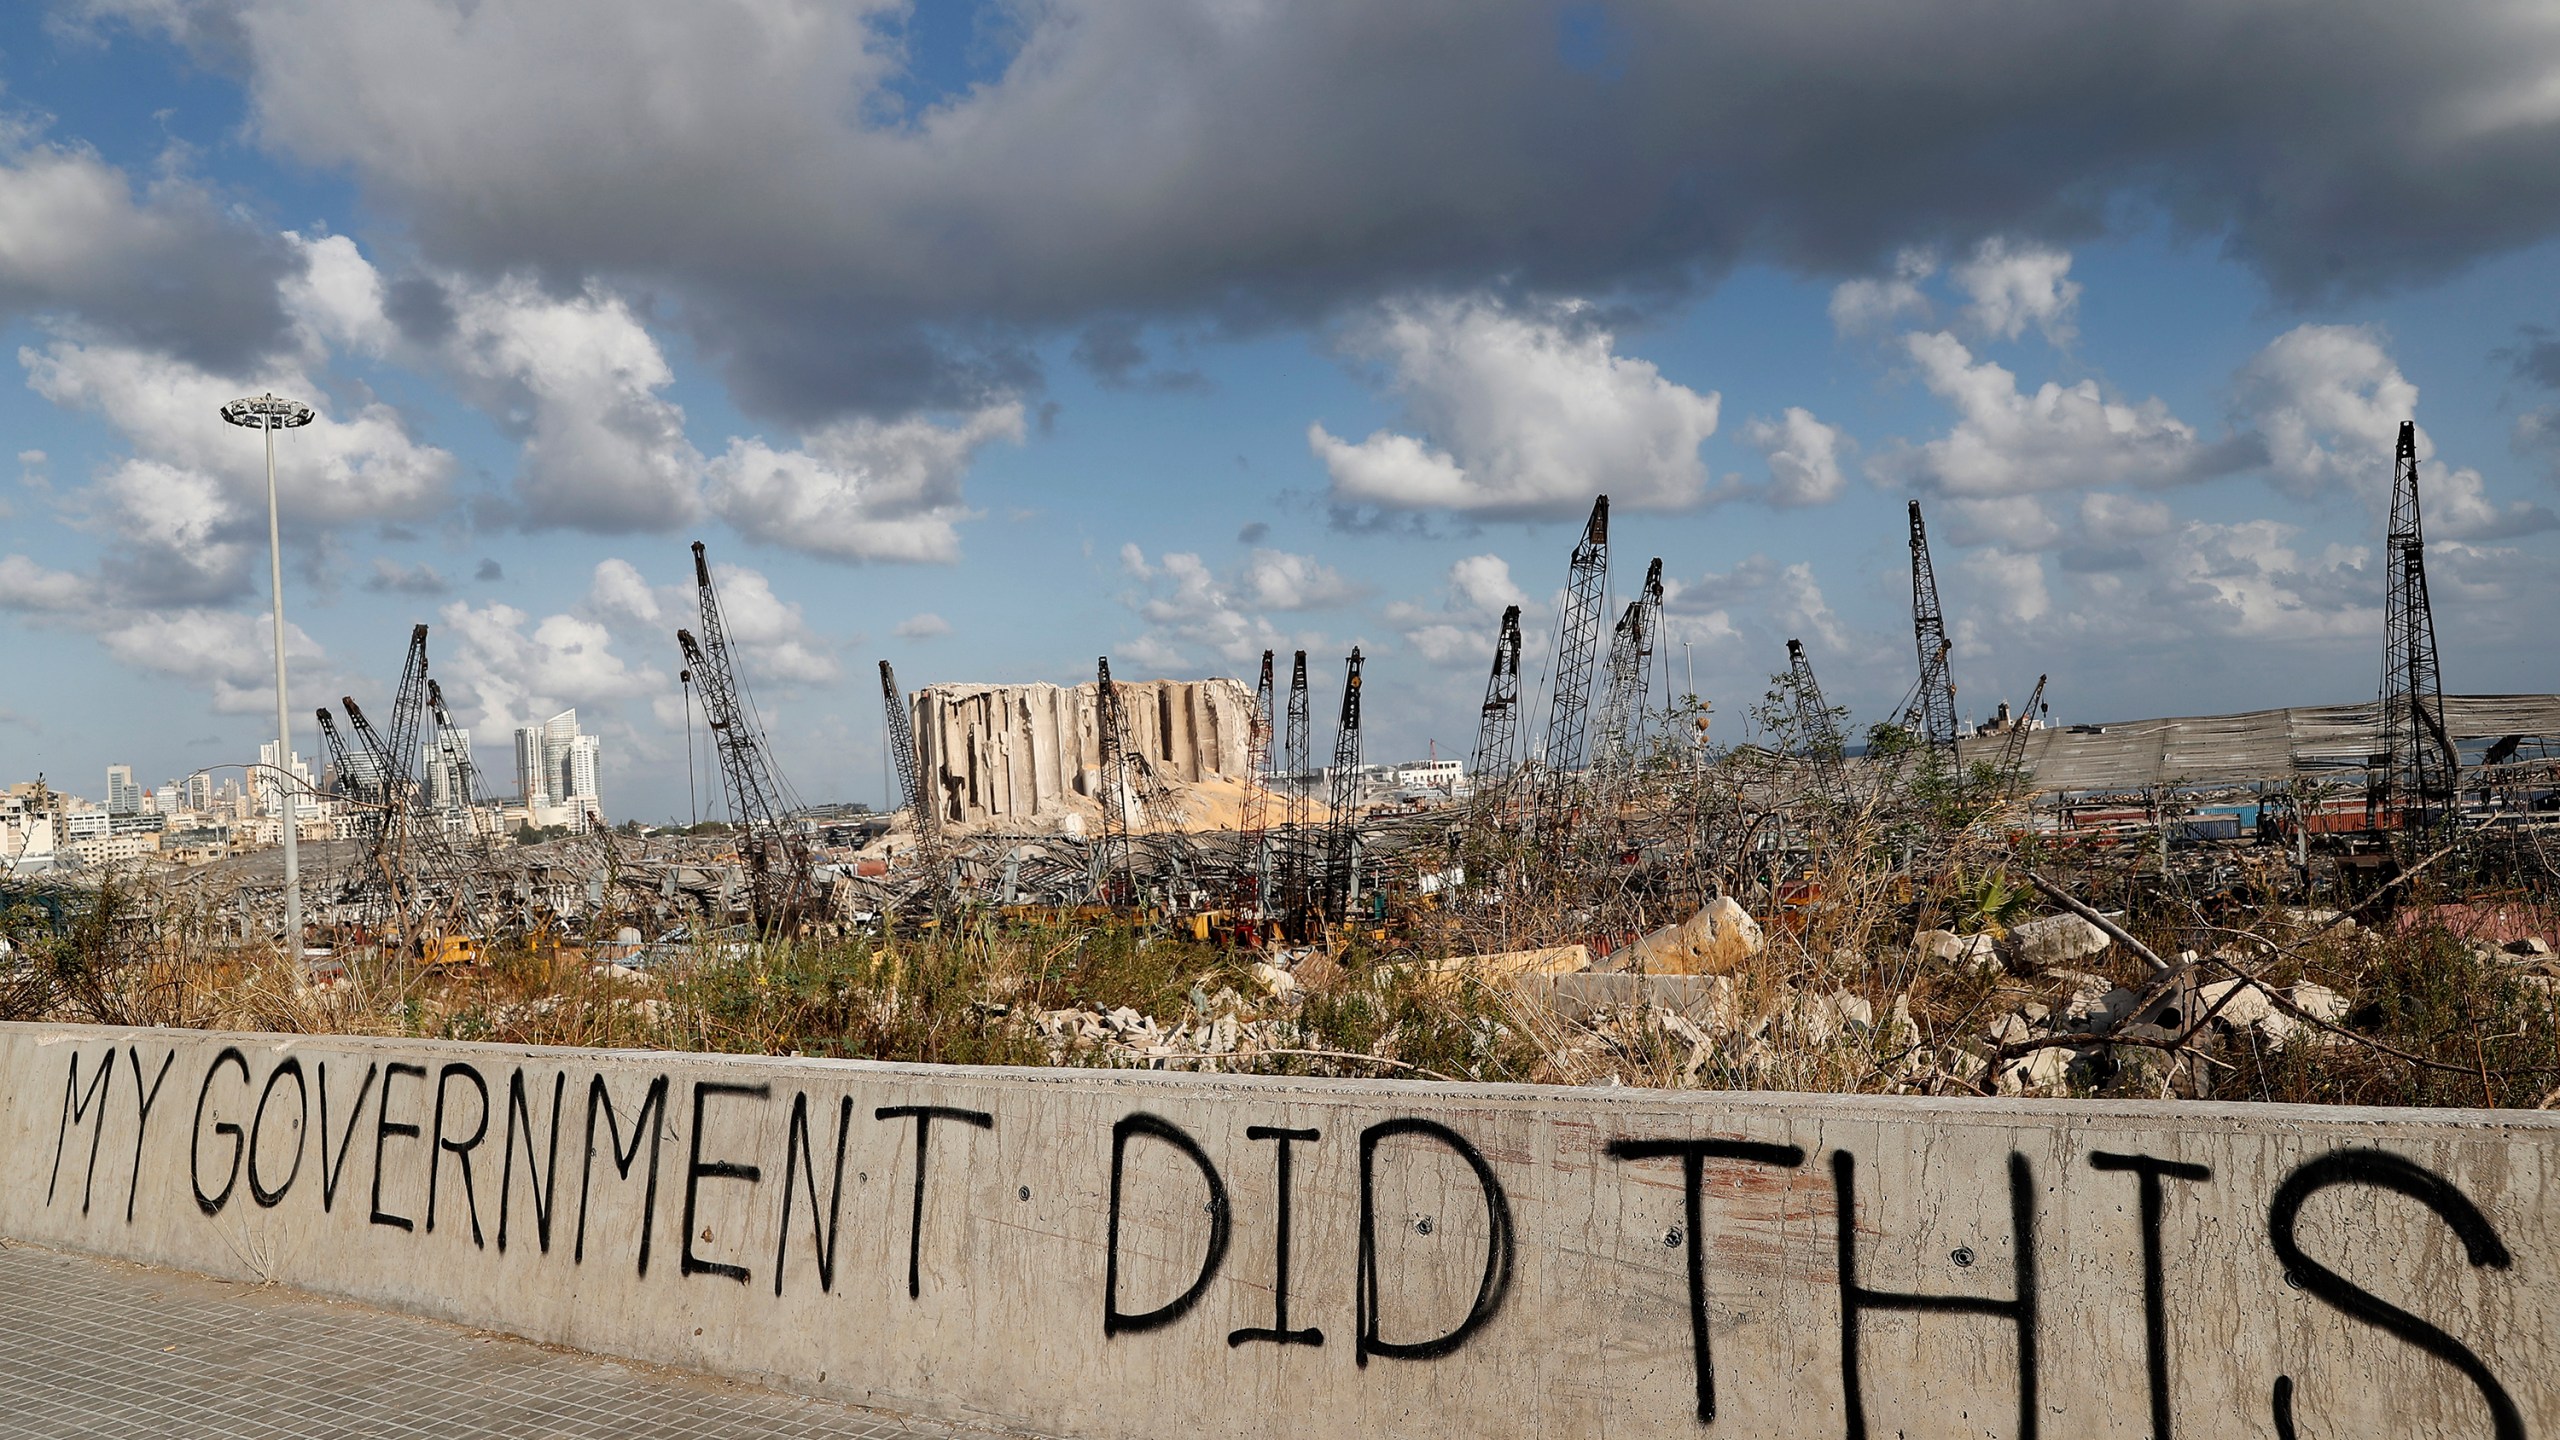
[[1253, 857], [1294, 855], [1631, 645], [1342, 835], [2420, 767], [1816, 728], [1933, 705], [1577, 634], [775, 856], [1116, 877], [1497, 734], [2013, 746], [898, 726]]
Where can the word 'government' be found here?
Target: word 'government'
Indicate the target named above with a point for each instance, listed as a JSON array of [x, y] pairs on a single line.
[[749, 1178]]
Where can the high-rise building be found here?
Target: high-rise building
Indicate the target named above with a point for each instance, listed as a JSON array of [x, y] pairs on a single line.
[[531, 790], [200, 790], [123, 796], [556, 772], [267, 790], [580, 776]]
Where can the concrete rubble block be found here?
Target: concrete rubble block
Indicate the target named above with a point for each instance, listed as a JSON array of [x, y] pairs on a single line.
[[2319, 1000], [1958, 952], [1706, 1001], [2011, 1028], [2097, 1005], [2053, 940], [2530, 947], [2246, 1006], [1819, 1019], [1715, 941], [2037, 1071], [1507, 966]]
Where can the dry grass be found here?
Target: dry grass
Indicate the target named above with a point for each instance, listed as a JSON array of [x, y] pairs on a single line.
[[1839, 1000]]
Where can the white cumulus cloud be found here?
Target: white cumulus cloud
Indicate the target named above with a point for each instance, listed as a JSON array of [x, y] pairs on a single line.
[[514, 670], [1868, 306], [2007, 441], [1804, 456], [578, 381], [861, 489], [2330, 402], [2013, 286], [1280, 580], [1518, 413]]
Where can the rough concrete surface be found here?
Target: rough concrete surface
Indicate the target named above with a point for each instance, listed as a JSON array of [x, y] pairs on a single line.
[[1124, 1254]]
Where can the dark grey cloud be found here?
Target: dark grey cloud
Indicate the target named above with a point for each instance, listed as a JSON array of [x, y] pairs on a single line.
[[2537, 361], [1114, 349], [420, 308], [841, 239], [489, 570], [165, 265]]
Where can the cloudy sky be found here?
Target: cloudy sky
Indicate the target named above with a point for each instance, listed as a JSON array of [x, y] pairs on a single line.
[[987, 338]]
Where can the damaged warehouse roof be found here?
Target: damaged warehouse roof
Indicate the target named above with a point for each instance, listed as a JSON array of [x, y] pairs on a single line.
[[2271, 745]]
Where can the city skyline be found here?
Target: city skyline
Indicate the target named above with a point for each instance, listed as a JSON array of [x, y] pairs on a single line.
[[2147, 393]]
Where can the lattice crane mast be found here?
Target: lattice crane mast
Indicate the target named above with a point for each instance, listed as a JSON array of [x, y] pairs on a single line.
[[453, 750], [1342, 832], [2013, 746], [1631, 645], [414, 849], [1498, 733], [1577, 635], [1294, 849], [2420, 766], [775, 856], [915, 779], [389, 832], [355, 779], [1932, 716], [408, 723], [349, 783], [898, 727], [1253, 859], [1816, 727], [355, 783], [1129, 784]]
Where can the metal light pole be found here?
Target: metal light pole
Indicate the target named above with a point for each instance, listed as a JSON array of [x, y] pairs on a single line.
[[270, 414]]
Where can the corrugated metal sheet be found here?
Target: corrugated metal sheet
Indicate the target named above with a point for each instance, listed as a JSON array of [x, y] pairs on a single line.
[[2273, 745]]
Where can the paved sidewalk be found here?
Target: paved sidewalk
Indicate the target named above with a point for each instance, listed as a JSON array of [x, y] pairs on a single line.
[[100, 1349]]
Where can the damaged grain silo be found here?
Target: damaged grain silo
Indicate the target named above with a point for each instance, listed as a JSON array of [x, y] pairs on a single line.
[[1024, 757]]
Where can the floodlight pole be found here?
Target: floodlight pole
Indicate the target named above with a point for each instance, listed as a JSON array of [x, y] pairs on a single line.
[[269, 414]]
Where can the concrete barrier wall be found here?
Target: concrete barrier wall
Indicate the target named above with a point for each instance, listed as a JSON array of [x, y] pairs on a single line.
[[1116, 1254]]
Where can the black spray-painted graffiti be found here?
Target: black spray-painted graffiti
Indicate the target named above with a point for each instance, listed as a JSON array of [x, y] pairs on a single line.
[[2479, 1243], [448, 1125]]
